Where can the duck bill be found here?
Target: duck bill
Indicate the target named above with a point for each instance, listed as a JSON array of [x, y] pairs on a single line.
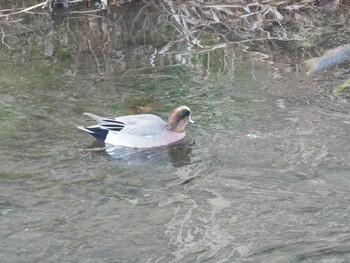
[[191, 121]]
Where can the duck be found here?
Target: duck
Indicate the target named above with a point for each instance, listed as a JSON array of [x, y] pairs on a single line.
[[140, 130]]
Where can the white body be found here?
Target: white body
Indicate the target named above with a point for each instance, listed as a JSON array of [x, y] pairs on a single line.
[[143, 131]]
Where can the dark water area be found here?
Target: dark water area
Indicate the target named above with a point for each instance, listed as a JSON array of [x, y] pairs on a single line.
[[264, 175]]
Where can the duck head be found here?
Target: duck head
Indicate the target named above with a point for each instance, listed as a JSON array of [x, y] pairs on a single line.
[[179, 118]]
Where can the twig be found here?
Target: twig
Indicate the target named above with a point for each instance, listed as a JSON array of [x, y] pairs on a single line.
[[86, 12], [3, 37], [43, 4], [223, 45], [24, 10], [98, 64]]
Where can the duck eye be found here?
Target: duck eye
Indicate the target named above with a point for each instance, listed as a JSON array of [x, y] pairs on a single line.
[[186, 113]]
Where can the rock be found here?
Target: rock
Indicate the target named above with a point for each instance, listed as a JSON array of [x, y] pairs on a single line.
[[330, 59]]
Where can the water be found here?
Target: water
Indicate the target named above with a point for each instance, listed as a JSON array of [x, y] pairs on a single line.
[[262, 177]]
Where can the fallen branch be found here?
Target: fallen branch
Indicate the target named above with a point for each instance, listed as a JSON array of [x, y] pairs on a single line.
[[43, 5], [24, 10]]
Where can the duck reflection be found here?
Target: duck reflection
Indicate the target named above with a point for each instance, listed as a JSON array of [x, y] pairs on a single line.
[[178, 154]]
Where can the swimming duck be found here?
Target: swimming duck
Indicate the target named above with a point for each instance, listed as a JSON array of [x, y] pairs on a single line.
[[142, 130]]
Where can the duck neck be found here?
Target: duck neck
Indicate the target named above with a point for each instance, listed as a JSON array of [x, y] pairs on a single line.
[[171, 127]]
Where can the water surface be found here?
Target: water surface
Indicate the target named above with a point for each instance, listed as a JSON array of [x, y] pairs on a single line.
[[262, 177]]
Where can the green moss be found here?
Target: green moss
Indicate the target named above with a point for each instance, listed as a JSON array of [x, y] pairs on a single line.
[[344, 87], [115, 170], [10, 176], [7, 112]]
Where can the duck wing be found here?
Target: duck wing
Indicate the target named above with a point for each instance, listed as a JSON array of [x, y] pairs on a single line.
[[145, 125]]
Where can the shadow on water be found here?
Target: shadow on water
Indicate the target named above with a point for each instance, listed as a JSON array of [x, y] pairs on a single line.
[[262, 177]]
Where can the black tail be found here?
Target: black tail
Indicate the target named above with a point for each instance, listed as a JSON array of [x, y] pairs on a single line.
[[98, 133]]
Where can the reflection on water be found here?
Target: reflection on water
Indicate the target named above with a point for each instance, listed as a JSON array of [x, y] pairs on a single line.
[[262, 176], [178, 154]]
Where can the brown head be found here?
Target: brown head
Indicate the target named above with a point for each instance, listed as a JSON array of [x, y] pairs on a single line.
[[179, 118]]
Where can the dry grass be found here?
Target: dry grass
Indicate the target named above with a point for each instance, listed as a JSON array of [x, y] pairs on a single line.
[[202, 25]]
